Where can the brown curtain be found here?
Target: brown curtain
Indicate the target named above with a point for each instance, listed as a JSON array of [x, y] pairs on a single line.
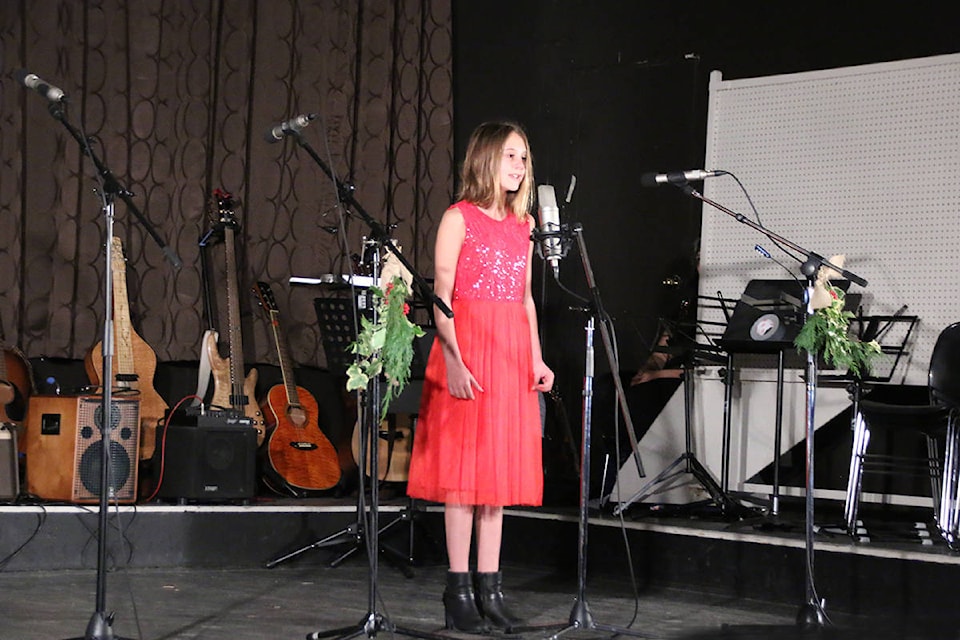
[[176, 97]]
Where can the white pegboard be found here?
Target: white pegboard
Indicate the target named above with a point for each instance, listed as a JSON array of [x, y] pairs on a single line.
[[862, 161]]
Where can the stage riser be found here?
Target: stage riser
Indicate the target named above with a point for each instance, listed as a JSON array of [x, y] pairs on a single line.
[[212, 538], [851, 583], [854, 583]]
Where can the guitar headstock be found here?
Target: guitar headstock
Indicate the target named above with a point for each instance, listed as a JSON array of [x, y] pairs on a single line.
[[265, 297], [226, 215]]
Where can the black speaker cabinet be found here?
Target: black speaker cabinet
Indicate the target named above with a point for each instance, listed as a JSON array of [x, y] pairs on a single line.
[[64, 448], [214, 460]]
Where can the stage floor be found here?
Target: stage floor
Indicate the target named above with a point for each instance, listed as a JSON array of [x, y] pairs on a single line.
[[293, 601], [697, 574]]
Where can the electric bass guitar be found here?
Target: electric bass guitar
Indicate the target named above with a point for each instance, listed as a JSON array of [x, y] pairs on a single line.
[[298, 452], [231, 390], [134, 361]]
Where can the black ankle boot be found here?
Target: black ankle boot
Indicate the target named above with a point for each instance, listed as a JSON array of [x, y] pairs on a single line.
[[460, 606], [489, 589]]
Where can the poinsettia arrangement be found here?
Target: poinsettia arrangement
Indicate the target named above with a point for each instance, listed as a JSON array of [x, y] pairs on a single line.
[[385, 346], [826, 332]]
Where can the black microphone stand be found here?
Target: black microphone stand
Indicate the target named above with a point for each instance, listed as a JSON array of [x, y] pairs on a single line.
[[580, 616], [100, 626], [811, 614], [374, 621]]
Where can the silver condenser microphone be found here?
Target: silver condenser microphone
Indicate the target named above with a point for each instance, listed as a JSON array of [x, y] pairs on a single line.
[[550, 223]]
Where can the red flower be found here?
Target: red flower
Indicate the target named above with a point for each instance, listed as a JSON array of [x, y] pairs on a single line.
[[406, 309]]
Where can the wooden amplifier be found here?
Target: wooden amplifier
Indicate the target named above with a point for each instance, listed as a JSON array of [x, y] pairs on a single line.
[[64, 448]]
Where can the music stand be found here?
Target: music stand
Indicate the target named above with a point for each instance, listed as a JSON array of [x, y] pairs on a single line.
[[691, 465], [765, 321], [337, 332]]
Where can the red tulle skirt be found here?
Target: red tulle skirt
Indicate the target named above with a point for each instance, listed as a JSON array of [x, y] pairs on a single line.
[[486, 451]]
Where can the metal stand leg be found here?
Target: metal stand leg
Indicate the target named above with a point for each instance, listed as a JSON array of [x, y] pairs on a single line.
[[691, 464]]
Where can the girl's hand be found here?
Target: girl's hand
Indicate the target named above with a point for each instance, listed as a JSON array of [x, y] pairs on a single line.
[[542, 377], [460, 382]]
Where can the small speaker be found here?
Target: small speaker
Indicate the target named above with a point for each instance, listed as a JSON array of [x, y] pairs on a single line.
[[64, 448], [9, 470], [214, 460]]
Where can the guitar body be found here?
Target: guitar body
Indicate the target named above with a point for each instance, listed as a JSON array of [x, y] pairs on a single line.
[[153, 407], [392, 466], [16, 387], [297, 450], [223, 386]]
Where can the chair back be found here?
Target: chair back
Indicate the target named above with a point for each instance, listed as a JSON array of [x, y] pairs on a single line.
[[944, 374]]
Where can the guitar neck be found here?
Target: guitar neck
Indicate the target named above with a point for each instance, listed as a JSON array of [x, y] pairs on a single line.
[[122, 329], [233, 318], [283, 356]]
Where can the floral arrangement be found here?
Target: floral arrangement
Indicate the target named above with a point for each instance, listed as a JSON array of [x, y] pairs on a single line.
[[385, 346], [826, 332]]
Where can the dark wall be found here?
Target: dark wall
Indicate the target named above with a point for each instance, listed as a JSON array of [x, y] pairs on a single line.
[[609, 90]]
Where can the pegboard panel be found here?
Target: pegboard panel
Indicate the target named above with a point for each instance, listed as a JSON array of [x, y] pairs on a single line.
[[861, 161]]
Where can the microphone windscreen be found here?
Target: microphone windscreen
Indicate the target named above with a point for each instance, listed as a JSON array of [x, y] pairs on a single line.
[[648, 180]]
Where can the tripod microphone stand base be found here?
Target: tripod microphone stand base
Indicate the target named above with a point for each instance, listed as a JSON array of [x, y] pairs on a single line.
[[810, 617], [100, 628], [370, 626], [354, 532]]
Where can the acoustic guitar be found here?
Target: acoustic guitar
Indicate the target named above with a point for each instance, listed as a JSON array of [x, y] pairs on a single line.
[[298, 452], [134, 361], [231, 389], [15, 385], [394, 446]]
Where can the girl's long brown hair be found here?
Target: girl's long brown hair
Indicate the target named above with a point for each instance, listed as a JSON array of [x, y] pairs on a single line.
[[480, 174]]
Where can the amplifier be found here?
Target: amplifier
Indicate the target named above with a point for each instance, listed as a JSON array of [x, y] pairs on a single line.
[[208, 458], [64, 448]]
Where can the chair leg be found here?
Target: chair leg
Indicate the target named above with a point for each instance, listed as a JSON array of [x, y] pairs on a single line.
[[949, 509], [936, 477], [861, 438]]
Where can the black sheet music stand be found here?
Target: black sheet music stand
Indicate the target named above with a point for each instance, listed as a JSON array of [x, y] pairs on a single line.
[[765, 321], [335, 318]]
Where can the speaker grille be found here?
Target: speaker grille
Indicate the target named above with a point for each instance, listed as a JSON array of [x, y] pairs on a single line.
[[123, 433]]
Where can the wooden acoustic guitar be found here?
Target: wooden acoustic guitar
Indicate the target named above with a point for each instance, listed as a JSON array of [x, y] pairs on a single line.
[[231, 389], [394, 446], [15, 385], [298, 452], [134, 361]]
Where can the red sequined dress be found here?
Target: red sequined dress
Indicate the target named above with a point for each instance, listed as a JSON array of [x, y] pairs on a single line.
[[484, 451]]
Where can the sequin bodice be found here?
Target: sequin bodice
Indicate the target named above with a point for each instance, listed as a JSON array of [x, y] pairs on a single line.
[[493, 259]]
